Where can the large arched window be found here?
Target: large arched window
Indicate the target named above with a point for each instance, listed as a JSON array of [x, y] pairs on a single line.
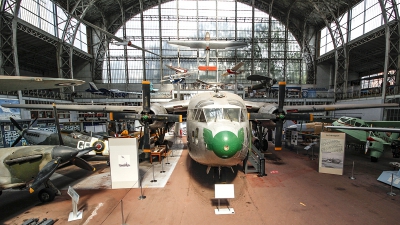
[[191, 22]]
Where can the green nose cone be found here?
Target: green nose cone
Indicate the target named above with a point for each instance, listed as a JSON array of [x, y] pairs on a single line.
[[224, 144]]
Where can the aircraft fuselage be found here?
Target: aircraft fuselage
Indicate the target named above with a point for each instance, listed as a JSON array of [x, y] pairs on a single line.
[[217, 129]]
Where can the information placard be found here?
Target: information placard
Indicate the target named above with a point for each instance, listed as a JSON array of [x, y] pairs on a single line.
[[331, 154]]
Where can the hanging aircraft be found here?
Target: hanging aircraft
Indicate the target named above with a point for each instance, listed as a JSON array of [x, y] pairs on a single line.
[[180, 72], [207, 44], [235, 70], [212, 85], [362, 132], [14, 83], [217, 122], [265, 82], [71, 139], [109, 92], [20, 165]]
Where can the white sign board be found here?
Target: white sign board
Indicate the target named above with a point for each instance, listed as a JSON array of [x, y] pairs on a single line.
[[124, 162], [331, 154]]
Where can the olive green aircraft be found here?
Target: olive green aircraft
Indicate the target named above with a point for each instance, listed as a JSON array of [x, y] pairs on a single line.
[[31, 166], [218, 128], [377, 136]]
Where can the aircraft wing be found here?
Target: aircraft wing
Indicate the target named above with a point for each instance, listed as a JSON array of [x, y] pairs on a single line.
[[237, 67], [254, 106], [377, 129], [172, 106], [15, 83], [210, 44]]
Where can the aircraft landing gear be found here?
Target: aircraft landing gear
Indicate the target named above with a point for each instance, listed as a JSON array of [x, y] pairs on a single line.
[[48, 193], [374, 159], [395, 146], [220, 175]]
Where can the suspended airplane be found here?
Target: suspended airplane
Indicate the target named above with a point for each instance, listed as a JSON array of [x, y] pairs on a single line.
[[14, 83], [207, 44], [361, 132], [176, 80], [71, 139], [265, 82], [109, 92], [180, 72], [20, 165], [235, 70], [217, 122]]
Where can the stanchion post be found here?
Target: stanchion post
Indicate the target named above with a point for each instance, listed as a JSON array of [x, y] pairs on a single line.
[[154, 180], [352, 173], [141, 197], [391, 193]]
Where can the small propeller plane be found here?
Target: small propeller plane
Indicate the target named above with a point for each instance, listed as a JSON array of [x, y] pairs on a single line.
[[109, 92], [207, 44], [265, 82], [180, 72], [375, 135], [20, 165], [218, 126], [235, 70]]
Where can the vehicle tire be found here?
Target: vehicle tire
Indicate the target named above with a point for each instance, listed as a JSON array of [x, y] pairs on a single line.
[[374, 159], [46, 195]]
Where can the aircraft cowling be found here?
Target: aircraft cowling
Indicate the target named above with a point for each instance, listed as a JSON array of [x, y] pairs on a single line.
[[271, 109], [155, 109]]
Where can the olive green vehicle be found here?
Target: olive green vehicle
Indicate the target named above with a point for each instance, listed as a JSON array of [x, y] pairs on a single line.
[[31, 166]]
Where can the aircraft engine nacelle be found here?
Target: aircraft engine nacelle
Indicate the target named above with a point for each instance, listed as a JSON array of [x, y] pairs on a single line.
[[155, 109], [271, 109]]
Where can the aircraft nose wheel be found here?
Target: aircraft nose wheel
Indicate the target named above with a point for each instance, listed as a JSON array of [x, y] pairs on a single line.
[[46, 195]]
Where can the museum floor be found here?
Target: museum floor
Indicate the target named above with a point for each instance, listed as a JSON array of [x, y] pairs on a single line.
[[293, 192]]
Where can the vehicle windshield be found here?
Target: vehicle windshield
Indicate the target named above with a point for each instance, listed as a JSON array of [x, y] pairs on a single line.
[[214, 114]]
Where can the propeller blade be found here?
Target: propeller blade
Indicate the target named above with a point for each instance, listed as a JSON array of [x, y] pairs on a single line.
[[33, 122], [16, 124], [82, 164], [57, 124], [281, 96], [261, 116], [146, 96], [16, 141], [278, 135], [45, 174], [85, 151], [299, 116]]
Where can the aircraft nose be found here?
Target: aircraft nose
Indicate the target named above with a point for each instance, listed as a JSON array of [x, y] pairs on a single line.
[[225, 144], [66, 153]]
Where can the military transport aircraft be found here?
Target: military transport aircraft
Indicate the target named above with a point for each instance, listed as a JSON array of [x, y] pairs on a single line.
[[361, 132], [20, 165], [109, 92], [207, 44], [218, 130], [71, 139], [14, 83]]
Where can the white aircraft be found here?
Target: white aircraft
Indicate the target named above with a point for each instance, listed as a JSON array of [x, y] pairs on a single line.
[[234, 70], [207, 44], [14, 83], [218, 130], [180, 73]]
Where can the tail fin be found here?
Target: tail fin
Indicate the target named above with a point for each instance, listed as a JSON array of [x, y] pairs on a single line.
[[93, 87]]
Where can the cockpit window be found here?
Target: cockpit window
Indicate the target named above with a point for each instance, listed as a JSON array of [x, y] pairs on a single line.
[[214, 114]]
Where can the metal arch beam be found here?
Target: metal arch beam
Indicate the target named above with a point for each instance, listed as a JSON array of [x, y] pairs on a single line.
[[101, 51], [389, 11], [341, 50], [65, 52]]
